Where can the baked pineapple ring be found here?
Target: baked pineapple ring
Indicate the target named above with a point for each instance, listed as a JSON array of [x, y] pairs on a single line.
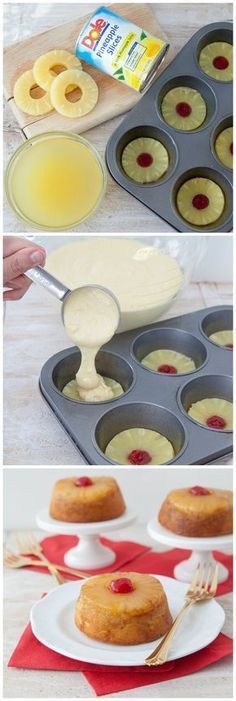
[[145, 160], [214, 413], [222, 338], [72, 389], [84, 82], [200, 201], [44, 65], [139, 446], [184, 108], [168, 362], [216, 60], [23, 99], [224, 147]]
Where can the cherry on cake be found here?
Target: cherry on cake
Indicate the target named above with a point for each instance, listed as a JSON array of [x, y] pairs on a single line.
[[145, 160], [216, 60], [224, 147], [223, 338], [214, 413], [124, 608], [184, 108], [86, 499], [139, 446], [73, 391], [198, 511], [168, 362], [200, 201]]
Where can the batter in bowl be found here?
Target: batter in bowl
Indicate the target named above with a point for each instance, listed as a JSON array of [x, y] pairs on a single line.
[[144, 280], [91, 317]]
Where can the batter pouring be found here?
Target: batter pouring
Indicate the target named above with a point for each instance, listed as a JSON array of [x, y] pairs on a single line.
[[91, 317]]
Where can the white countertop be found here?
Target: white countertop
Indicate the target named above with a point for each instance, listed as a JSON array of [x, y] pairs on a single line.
[[32, 333], [120, 211], [24, 587]]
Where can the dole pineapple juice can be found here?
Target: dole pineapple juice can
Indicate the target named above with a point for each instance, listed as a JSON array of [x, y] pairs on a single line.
[[117, 46]]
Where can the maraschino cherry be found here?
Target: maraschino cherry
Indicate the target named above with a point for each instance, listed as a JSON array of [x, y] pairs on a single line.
[[123, 585], [167, 369], [216, 422], [139, 457], [83, 482], [220, 63], [200, 201], [199, 491], [183, 109], [144, 160]]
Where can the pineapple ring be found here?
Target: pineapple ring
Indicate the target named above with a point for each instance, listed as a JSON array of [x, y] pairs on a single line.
[[216, 60], [145, 160], [142, 440], [84, 82], [72, 389], [222, 338], [43, 66], [224, 147], [30, 105], [183, 108], [165, 358], [206, 409], [208, 197]]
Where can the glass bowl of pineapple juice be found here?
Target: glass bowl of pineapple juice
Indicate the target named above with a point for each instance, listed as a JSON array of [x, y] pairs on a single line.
[[55, 181]]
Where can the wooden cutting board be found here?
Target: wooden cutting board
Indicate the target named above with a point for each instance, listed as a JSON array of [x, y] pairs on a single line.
[[114, 98]]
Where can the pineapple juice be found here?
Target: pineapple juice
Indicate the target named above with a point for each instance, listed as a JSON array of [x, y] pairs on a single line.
[[55, 180]]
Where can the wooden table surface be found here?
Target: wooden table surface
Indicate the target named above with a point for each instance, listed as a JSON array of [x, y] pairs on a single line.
[[24, 587], [119, 210], [32, 333]]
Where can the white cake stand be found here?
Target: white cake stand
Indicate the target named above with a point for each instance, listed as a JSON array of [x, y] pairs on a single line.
[[201, 550], [89, 553]]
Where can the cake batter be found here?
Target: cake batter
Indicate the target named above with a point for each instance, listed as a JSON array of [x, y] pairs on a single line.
[[91, 317]]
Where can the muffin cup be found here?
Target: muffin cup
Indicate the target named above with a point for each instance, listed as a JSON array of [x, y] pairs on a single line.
[[140, 415]]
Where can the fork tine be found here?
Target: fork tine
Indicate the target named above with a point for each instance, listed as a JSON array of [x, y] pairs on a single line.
[[201, 577], [207, 578], [214, 582], [194, 579]]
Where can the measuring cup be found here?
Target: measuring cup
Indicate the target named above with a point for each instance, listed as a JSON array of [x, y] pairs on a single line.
[[60, 291]]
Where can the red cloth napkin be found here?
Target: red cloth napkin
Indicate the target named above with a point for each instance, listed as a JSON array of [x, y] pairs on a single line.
[[165, 562], [31, 654], [55, 547]]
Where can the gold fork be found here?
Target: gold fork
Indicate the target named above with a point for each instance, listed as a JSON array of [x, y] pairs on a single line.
[[201, 589], [27, 544], [15, 561]]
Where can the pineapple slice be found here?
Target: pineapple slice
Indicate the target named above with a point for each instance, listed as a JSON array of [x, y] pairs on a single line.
[[168, 362], [200, 201], [214, 413], [139, 446], [73, 391], [224, 147], [216, 60], [45, 66], [183, 108], [86, 85], [145, 160], [40, 104], [222, 338]]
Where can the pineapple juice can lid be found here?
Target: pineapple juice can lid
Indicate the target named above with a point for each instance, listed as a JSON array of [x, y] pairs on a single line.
[[117, 46]]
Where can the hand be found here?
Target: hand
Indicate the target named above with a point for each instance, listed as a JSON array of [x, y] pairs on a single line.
[[19, 255]]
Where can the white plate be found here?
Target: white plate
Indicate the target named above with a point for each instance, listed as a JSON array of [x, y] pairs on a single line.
[[52, 620]]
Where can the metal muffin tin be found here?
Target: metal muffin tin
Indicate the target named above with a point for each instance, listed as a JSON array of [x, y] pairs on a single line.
[[151, 399], [191, 153]]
